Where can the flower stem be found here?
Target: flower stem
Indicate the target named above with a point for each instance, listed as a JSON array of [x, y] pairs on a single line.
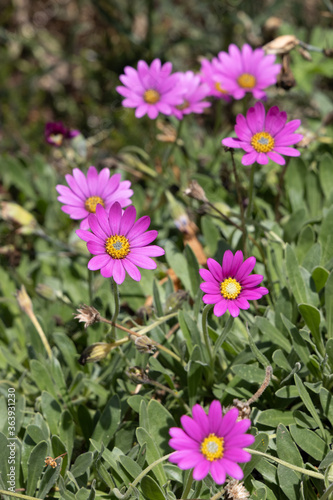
[[16, 495], [136, 481], [251, 190], [116, 310], [278, 196], [187, 487], [286, 464], [205, 312], [240, 201], [327, 493], [90, 286]]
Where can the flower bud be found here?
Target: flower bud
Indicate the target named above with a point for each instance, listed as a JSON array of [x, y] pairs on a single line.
[[95, 352], [194, 190], [143, 344], [24, 301]]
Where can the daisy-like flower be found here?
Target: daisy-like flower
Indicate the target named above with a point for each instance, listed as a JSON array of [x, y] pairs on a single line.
[[265, 137], [193, 94], [84, 193], [210, 75], [229, 286], [211, 443], [150, 89], [119, 244], [56, 133], [247, 70]]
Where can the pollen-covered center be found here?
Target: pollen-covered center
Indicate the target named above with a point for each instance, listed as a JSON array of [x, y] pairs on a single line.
[[262, 142], [91, 203], [246, 81], [117, 246], [183, 106], [230, 288], [151, 96], [219, 88], [212, 447], [57, 139]]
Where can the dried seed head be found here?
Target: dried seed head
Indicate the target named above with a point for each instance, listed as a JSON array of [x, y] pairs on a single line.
[[95, 352], [281, 45], [143, 344], [24, 301], [242, 406], [235, 490], [195, 191], [87, 315]]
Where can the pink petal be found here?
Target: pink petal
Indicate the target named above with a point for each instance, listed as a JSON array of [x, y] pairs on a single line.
[[118, 272], [212, 299], [141, 261], [107, 270], [114, 218], [201, 470], [98, 261], [233, 309], [192, 459], [192, 428], [150, 251], [215, 416], [246, 268], [206, 275], [95, 248], [139, 227], [276, 158], [228, 422], [127, 220], [237, 455], [236, 263], [227, 264], [215, 268], [200, 417], [132, 270], [102, 219], [218, 472], [210, 288], [144, 239], [232, 469], [221, 307], [249, 158], [92, 181]]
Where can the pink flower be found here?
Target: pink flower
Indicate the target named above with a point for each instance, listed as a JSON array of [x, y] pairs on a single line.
[[150, 89], [211, 443], [84, 193], [247, 70], [119, 243], [211, 75], [56, 132], [193, 94], [229, 286], [264, 137]]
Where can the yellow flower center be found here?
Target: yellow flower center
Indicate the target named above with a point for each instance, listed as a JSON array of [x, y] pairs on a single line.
[[246, 81], [262, 142], [91, 203], [57, 139], [230, 288], [219, 88], [151, 96], [117, 246], [212, 447], [183, 106]]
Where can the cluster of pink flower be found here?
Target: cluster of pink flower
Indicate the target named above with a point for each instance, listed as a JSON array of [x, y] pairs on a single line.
[[209, 443]]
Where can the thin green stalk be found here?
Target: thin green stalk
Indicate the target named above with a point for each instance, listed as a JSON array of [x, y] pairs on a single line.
[[136, 481], [223, 335], [16, 495], [240, 201], [187, 487], [327, 494], [286, 464], [205, 312], [251, 190], [217, 495], [90, 286], [116, 310], [171, 150]]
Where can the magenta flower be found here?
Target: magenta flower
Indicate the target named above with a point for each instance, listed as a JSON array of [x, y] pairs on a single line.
[[211, 443], [193, 94], [211, 75], [84, 193], [229, 286], [264, 137], [56, 132], [119, 243], [150, 89], [247, 70]]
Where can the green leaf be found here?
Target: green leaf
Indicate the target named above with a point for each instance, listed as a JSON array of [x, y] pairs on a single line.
[[49, 479], [157, 299], [67, 432], [287, 392], [272, 418], [296, 282], [319, 276], [257, 352], [286, 448], [326, 237], [305, 241], [260, 444], [152, 454], [308, 402], [289, 482], [311, 316], [309, 442], [326, 401], [42, 378], [299, 344], [108, 422], [178, 263], [329, 305], [194, 375], [160, 421], [131, 467], [185, 331], [303, 419], [68, 350], [193, 270], [82, 463], [325, 174], [151, 490], [329, 352], [250, 373], [294, 223], [36, 464], [51, 411], [281, 361], [272, 333]]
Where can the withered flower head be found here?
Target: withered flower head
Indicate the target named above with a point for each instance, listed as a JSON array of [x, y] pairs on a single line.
[[175, 300], [281, 45], [95, 352], [143, 344], [136, 374], [194, 190], [24, 301], [87, 315], [235, 490]]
